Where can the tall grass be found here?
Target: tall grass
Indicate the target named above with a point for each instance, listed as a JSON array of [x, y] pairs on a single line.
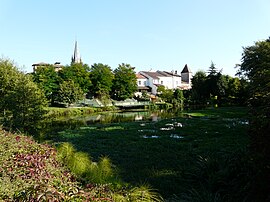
[[83, 167], [54, 112], [102, 172]]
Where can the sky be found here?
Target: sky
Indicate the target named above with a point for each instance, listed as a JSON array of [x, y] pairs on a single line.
[[147, 34]]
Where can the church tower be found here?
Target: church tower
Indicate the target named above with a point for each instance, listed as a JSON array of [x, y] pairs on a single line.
[[75, 58], [186, 75]]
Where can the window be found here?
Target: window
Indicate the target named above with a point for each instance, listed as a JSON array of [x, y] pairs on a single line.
[[144, 83], [161, 82], [140, 82]]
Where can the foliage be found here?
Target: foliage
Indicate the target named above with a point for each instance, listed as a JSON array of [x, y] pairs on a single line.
[[174, 97], [30, 172], [215, 83], [199, 93], [22, 102], [255, 66], [162, 152], [227, 90], [81, 165], [101, 77], [141, 194], [54, 112], [178, 100], [78, 73], [102, 172], [124, 82], [47, 79], [69, 92], [167, 95]]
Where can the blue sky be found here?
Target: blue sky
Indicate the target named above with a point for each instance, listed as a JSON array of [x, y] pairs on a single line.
[[148, 34]]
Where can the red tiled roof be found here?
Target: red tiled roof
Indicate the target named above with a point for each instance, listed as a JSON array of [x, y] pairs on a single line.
[[140, 76]]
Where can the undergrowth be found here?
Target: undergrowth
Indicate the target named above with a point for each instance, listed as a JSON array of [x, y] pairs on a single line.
[[32, 172]]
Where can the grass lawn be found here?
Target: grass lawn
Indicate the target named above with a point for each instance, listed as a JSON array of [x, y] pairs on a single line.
[[167, 153]]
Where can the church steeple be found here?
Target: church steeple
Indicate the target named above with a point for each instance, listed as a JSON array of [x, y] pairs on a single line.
[[76, 56]]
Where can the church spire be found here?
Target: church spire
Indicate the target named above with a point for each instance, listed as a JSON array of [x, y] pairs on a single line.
[[76, 56]]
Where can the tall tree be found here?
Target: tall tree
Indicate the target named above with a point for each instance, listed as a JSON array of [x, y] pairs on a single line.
[[256, 67], [79, 73], [212, 69], [199, 91], [26, 103], [47, 79], [215, 82], [124, 82], [102, 79], [22, 101]]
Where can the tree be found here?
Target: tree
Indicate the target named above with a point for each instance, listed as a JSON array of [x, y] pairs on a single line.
[[22, 101], [47, 79], [178, 99], [27, 103], [199, 91], [167, 95], [215, 83], [70, 92], [102, 79], [124, 82], [79, 73], [256, 67], [212, 69]]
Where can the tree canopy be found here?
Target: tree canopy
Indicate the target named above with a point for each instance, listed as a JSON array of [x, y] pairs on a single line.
[[69, 92], [22, 101], [102, 79], [124, 82], [256, 67], [79, 73], [47, 79]]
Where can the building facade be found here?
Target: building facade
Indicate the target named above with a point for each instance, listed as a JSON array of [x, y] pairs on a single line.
[[149, 81]]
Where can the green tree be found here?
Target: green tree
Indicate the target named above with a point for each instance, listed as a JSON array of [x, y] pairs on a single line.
[[27, 103], [199, 91], [47, 79], [22, 101], [256, 67], [70, 92], [167, 95], [102, 79], [124, 82], [215, 83], [79, 73], [178, 99], [212, 69]]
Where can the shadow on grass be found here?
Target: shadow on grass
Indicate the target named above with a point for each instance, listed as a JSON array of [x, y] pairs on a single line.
[[163, 162]]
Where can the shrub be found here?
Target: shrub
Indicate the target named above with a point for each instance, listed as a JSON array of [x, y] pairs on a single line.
[[31, 172]]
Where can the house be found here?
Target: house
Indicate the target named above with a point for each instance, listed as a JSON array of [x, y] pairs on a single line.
[[149, 80], [57, 66], [75, 58]]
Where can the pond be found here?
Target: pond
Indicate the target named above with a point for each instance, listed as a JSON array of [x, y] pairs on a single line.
[[154, 147], [52, 126]]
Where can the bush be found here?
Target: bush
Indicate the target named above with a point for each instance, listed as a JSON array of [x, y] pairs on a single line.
[[30, 172], [22, 102]]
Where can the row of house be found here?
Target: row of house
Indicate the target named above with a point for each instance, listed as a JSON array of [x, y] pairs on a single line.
[[147, 81]]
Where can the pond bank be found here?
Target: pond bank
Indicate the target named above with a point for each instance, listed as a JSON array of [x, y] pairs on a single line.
[[174, 154]]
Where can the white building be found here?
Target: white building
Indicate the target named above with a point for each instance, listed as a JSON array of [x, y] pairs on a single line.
[[149, 80]]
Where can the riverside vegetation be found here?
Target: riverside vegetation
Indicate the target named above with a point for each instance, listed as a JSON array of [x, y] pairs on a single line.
[[198, 156], [206, 156]]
